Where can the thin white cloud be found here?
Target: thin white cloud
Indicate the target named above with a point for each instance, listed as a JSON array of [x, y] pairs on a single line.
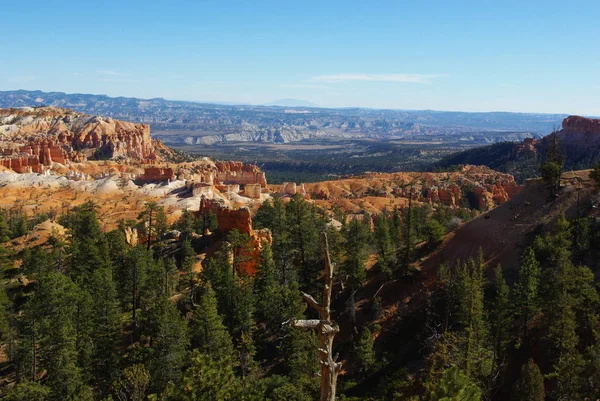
[[305, 86], [112, 73], [119, 80], [407, 78], [77, 74], [213, 83]]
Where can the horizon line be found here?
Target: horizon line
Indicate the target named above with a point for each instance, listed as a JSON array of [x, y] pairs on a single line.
[[233, 103]]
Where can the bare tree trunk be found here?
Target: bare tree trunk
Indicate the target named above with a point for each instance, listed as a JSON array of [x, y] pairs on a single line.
[[325, 329]]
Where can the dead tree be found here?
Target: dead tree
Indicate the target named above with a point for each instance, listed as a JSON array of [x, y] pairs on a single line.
[[325, 329]]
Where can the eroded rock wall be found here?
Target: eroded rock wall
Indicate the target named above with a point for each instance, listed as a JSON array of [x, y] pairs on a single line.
[[55, 135], [240, 173], [157, 174]]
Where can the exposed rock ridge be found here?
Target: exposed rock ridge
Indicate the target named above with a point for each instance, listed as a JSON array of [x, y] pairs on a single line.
[[35, 137], [581, 124], [471, 186]]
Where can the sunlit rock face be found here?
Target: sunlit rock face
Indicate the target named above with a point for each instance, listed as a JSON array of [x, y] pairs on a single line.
[[240, 173], [581, 125], [35, 137], [229, 219]]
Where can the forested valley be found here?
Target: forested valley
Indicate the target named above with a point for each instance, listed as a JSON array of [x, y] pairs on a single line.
[[95, 317]]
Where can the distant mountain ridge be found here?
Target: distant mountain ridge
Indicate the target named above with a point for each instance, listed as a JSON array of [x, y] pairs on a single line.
[[293, 103], [183, 123]]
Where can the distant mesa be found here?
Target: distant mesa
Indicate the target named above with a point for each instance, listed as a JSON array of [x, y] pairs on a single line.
[[292, 103]]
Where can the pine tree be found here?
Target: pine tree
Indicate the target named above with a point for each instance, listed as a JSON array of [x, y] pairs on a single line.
[[131, 278], [592, 372], [88, 246], [383, 243], [209, 334], [396, 230], [187, 258], [17, 223], [117, 248], [282, 242], [568, 289], [5, 315], [4, 229], [208, 380], [568, 373], [29, 391], [239, 248], [151, 224], [500, 321], [568, 293], [408, 235], [53, 313], [265, 215], [242, 323], [106, 328], [133, 384], [266, 289], [435, 232], [185, 225], [6, 260], [169, 342], [84, 327], [218, 272], [455, 386], [469, 296], [365, 354], [304, 240], [161, 226], [356, 239], [530, 385], [553, 166], [526, 290]]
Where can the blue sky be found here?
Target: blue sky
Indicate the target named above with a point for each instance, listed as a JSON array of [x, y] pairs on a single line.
[[528, 55]]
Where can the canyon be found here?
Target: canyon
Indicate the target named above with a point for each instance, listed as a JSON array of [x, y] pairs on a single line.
[[54, 159]]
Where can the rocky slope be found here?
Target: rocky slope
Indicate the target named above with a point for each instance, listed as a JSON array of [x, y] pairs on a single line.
[[31, 138], [474, 187], [504, 232]]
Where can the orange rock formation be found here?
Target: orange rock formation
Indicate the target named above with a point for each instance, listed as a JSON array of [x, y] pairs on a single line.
[[35, 137], [229, 219], [157, 174]]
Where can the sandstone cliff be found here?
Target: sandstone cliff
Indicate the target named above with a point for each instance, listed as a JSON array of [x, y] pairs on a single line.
[[239, 173], [35, 137]]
